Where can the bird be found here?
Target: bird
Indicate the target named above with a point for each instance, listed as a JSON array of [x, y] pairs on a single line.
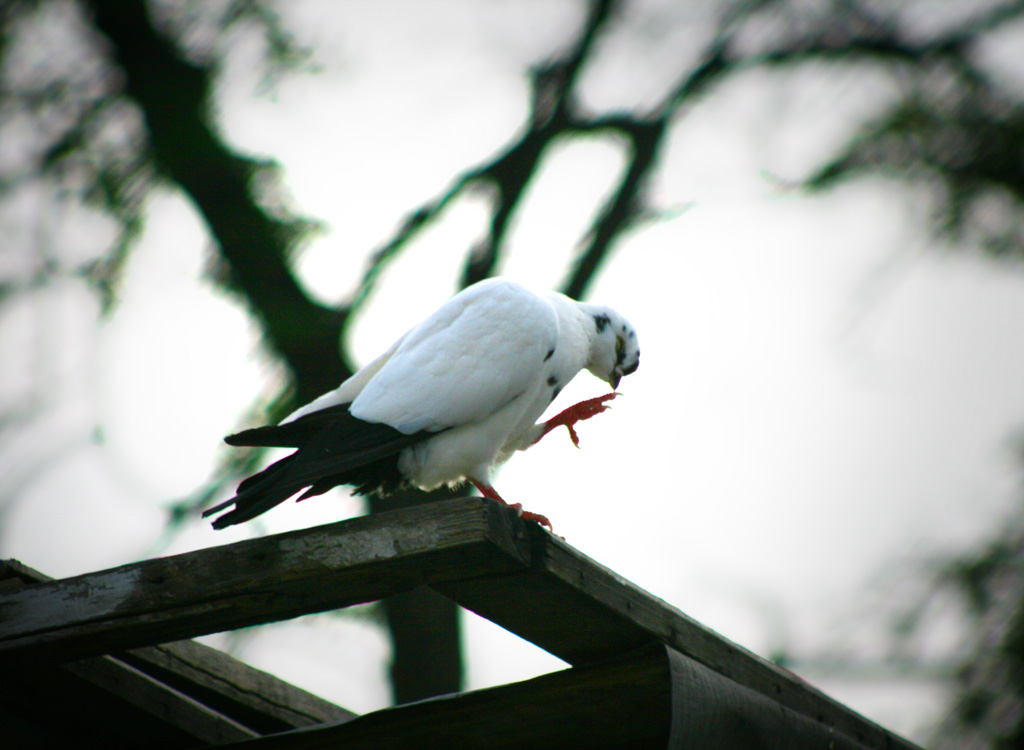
[[453, 398]]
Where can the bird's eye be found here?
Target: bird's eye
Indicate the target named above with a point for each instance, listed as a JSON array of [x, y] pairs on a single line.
[[620, 344]]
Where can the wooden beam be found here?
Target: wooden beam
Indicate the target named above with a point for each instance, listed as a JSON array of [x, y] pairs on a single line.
[[254, 698], [244, 694], [479, 554], [653, 697], [256, 581], [712, 712], [103, 703], [166, 704], [620, 702], [582, 612]]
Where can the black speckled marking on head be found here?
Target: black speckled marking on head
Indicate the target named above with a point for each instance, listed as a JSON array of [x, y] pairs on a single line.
[[601, 321], [621, 355], [552, 380], [554, 394], [549, 354]]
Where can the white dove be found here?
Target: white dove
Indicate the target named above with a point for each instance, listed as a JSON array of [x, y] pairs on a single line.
[[455, 396]]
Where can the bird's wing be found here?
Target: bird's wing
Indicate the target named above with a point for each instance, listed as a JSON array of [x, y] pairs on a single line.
[[480, 350], [348, 390]]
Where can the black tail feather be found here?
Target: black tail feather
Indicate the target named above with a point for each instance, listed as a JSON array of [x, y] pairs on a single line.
[[334, 448], [294, 434], [273, 469]]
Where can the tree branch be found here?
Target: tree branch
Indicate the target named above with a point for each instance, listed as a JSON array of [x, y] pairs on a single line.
[[173, 95]]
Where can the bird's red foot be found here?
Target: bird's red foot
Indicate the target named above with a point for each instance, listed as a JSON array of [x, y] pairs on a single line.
[[577, 413], [527, 515], [487, 491]]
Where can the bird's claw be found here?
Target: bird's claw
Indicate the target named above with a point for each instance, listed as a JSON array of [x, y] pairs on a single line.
[[577, 413], [489, 492], [572, 435], [536, 517], [527, 515]]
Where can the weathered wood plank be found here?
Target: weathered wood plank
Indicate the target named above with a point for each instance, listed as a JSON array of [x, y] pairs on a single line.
[[51, 707], [480, 555], [257, 581], [248, 695], [164, 703], [581, 611], [14, 575], [712, 712], [622, 702]]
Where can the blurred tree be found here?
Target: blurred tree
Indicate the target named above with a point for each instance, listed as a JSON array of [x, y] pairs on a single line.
[[128, 105], [152, 70], [989, 707], [956, 128], [122, 102]]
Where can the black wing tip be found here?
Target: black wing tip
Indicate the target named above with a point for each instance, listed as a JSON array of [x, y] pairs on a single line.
[[217, 508], [239, 514], [248, 437], [222, 521]]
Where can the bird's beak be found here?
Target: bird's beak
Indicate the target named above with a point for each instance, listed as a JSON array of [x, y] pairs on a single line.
[[616, 376]]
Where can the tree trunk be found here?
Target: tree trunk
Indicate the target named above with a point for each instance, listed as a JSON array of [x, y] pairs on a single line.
[[426, 639]]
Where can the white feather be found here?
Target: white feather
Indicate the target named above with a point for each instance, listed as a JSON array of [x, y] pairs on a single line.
[[479, 351], [480, 371]]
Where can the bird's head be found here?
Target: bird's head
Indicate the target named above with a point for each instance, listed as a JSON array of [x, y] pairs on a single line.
[[614, 347]]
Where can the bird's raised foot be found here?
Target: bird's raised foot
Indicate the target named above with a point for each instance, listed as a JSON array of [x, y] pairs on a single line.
[[577, 413]]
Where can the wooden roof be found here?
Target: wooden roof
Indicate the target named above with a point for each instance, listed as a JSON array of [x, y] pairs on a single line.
[[643, 674]]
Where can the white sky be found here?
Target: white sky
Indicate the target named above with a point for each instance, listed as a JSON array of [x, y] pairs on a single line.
[[823, 399]]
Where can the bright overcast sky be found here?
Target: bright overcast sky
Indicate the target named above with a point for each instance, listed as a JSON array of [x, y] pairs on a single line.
[[823, 397]]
